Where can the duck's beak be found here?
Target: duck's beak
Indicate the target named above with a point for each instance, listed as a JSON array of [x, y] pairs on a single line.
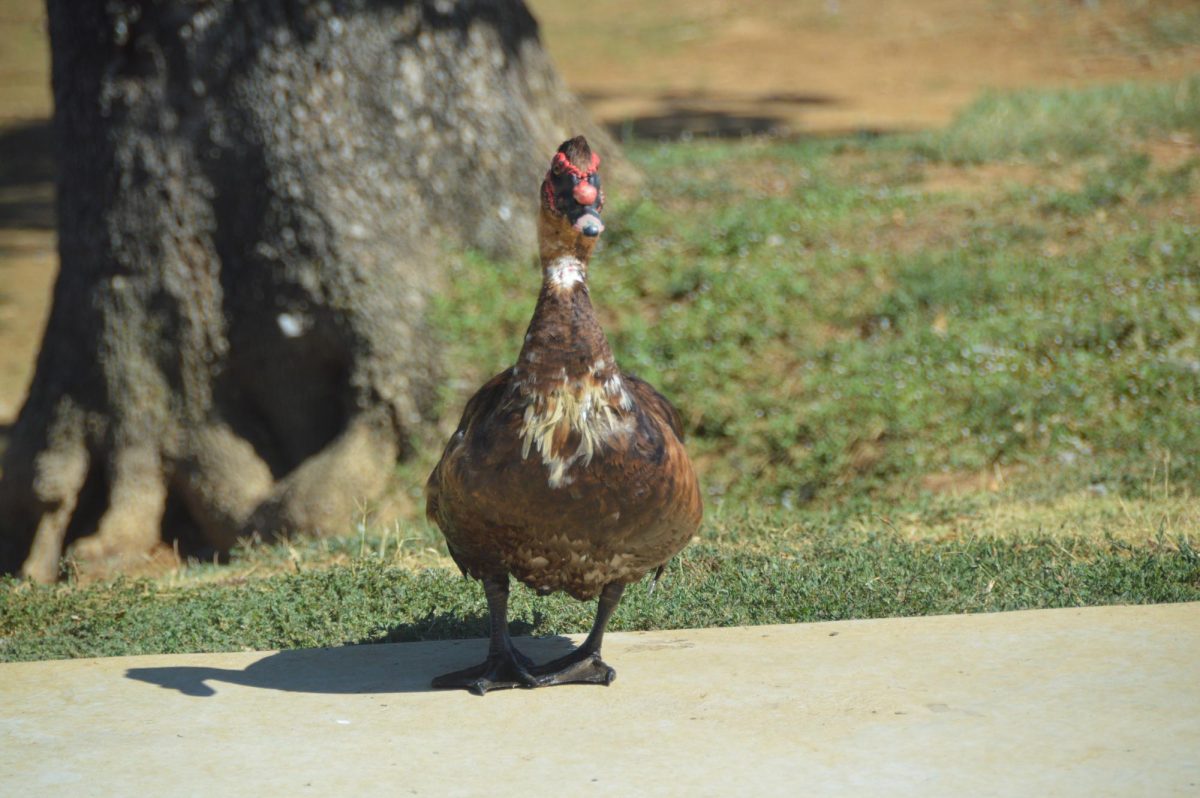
[[589, 222], [585, 217]]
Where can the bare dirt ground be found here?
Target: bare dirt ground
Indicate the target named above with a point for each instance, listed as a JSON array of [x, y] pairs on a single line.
[[668, 69], [714, 66]]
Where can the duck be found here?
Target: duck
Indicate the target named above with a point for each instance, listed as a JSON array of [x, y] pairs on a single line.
[[565, 473]]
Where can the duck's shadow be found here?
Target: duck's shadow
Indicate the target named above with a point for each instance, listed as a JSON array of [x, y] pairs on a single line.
[[355, 668]]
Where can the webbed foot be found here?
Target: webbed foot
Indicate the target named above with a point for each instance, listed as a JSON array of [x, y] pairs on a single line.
[[575, 669], [500, 671]]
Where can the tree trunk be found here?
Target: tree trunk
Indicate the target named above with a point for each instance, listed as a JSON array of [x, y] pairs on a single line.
[[250, 195]]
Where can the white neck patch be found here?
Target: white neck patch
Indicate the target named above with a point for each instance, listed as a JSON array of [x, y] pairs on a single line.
[[565, 272]]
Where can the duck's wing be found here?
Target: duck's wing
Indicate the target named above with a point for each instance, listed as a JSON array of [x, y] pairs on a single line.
[[654, 403], [664, 472], [486, 402]]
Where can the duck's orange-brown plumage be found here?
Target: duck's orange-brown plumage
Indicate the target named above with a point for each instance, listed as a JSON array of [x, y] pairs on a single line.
[[565, 472]]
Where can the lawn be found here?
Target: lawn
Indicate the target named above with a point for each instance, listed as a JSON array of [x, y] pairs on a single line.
[[955, 371]]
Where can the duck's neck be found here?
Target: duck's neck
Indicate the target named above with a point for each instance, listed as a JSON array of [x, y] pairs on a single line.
[[564, 343]]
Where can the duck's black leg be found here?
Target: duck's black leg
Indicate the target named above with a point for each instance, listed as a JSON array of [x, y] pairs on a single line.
[[583, 665], [504, 667]]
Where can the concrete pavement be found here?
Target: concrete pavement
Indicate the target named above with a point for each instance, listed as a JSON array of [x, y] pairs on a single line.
[[1087, 702]]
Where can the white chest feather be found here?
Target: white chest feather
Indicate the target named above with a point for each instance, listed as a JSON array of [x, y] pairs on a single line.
[[587, 411]]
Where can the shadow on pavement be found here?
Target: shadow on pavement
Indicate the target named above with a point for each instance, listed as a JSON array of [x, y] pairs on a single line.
[[351, 669]]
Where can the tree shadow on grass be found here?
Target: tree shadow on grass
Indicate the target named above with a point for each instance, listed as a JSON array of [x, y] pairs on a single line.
[[707, 114], [697, 122], [357, 668]]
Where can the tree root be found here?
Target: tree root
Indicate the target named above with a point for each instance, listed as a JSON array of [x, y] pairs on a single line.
[[223, 485], [131, 525], [324, 492], [58, 481], [221, 480]]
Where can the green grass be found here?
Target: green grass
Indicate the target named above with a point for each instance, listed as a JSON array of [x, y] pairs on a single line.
[[1067, 123], [907, 394], [816, 574]]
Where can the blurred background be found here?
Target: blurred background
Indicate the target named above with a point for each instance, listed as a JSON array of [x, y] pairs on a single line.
[[924, 266], [671, 70]]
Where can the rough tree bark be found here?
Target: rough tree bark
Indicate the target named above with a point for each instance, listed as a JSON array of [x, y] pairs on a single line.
[[249, 198]]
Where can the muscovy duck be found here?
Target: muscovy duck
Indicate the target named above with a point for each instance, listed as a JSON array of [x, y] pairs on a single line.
[[564, 472]]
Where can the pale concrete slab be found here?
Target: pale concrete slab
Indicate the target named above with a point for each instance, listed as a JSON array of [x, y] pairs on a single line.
[[1089, 702]]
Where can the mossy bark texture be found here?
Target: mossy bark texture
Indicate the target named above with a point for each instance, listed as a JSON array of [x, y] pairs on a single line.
[[253, 199]]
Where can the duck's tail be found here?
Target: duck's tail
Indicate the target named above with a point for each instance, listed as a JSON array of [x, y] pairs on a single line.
[[654, 581]]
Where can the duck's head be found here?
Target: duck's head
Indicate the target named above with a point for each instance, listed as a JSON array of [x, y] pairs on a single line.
[[569, 223]]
